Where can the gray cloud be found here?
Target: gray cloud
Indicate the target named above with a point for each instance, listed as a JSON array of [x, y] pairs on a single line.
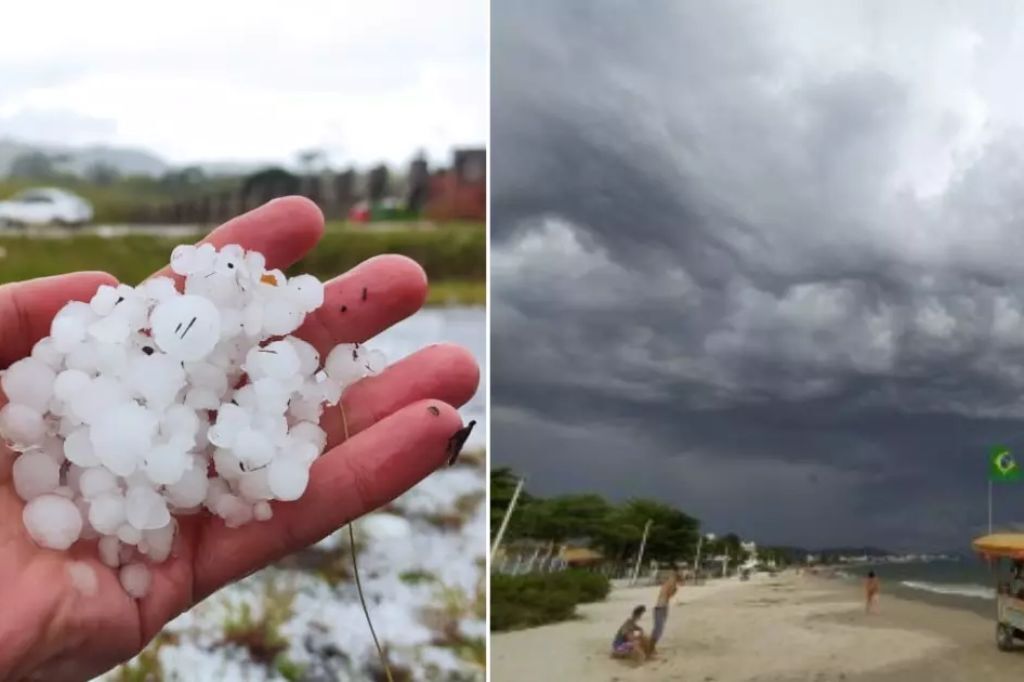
[[770, 279]]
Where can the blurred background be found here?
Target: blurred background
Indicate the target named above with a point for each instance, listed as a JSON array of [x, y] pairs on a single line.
[[126, 129]]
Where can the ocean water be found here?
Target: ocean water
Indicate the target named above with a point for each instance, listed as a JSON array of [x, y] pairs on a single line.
[[967, 583]]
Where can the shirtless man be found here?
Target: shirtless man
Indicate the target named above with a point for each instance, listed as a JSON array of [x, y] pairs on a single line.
[[667, 591], [629, 641], [871, 589]]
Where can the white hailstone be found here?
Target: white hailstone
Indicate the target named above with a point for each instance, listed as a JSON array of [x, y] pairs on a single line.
[[145, 508], [21, 425], [110, 549], [102, 395], [255, 485], [122, 435], [288, 477], [186, 327], [183, 259], [156, 378], [70, 324], [135, 579], [159, 541], [253, 448], [29, 382], [159, 289], [227, 465], [95, 481], [52, 521], [262, 511], [45, 351], [69, 383], [129, 534], [343, 364], [147, 403], [376, 361], [311, 433], [106, 512], [309, 358], [191, 489], [35, 473], [383, 527], [78, 448], [166, 463], [307, 291]]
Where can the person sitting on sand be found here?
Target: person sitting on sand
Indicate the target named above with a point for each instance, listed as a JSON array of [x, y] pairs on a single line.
[[668, 590], [630, 641], [871, 589]]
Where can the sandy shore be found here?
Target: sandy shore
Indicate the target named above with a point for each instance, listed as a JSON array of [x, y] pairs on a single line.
[[784, 629]]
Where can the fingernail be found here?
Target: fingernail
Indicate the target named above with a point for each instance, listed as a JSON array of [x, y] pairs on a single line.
[[456, 442]]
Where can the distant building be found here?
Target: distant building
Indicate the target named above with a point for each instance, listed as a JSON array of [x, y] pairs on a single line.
[[460, 192]]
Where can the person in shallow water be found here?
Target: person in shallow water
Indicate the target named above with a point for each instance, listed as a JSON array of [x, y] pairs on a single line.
[[64, 615], [871, 590], [630, 641]]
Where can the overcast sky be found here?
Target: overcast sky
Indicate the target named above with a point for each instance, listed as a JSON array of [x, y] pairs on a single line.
[[764, 261], [196, 80]]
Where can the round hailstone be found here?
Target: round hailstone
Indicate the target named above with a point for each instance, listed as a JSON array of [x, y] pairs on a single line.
[[307, 291], [29, 382], [262, 511], [95, 481], [110, 549], [190, 490], [21, 425], [166, 463], [254, 485], [309, 358], [103, 395], [281, 316], [106, 512], [135, 579], [179, 423], [45, 351], [78, 448], [110, 329], [277, 360], [159, 541], [70, 324], [227, 465], [233, 510], [52, 521], [122, 436], [183, 259], [287, 477], [186, 327], [69, 383], [157, 378], [158, 289], [145, 508], [104, 300], [311, 433], [271, 395], [129, 534], [343, 364], [84, 356], [35, 473], [253, 448]]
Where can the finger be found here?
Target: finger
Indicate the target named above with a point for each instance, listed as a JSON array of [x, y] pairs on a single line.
[[444, 372], [27, 308], [365, 301], [283, 230], [354, 478]]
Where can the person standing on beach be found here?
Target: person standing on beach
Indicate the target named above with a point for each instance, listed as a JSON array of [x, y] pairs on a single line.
[[667, 591], [871, 589]]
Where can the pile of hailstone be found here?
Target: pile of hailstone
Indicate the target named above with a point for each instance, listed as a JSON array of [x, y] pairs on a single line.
[[146, 403]]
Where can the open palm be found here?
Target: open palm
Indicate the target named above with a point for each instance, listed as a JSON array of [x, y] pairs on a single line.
[[402, 425]]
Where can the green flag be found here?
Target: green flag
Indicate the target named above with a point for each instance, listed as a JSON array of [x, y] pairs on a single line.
[[1002, 466]]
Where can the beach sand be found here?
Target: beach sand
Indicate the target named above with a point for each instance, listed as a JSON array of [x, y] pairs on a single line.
[[785, 629]]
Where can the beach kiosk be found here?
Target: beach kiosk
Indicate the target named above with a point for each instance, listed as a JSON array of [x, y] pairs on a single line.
[[1005, 553]]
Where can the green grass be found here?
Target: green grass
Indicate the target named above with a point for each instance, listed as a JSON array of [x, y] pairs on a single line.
[[453, 257]]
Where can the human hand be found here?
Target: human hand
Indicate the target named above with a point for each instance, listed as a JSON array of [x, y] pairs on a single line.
[[401, 425]]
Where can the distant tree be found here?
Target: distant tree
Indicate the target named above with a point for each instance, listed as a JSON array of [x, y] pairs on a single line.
[[33, 165], [102, 174]]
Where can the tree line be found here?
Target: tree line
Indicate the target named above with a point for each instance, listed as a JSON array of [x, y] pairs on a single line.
[[615, 530]]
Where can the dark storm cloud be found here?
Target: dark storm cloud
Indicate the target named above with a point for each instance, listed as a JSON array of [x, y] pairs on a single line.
[[731, 269]]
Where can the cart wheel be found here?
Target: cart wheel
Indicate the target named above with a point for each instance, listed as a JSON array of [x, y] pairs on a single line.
[[1004, 637]]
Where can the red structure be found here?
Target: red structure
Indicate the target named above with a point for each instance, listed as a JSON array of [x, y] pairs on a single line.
[[460, 193]]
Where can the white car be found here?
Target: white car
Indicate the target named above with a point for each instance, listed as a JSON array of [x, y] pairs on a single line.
[[45, 206]]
